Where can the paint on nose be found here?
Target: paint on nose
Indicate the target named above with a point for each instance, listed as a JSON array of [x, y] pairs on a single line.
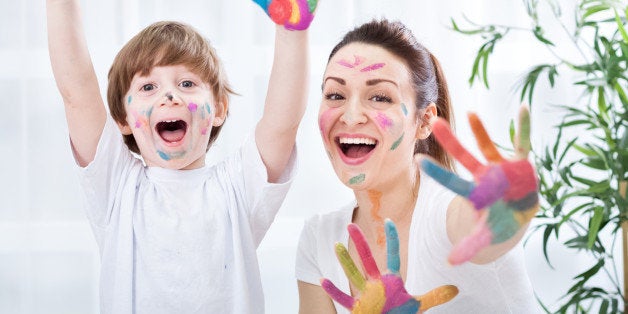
[[169, 96]]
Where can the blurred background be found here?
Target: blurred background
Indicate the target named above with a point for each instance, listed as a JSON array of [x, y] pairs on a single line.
[[49, 261]]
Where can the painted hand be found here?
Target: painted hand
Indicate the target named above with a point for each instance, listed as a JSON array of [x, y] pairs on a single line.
[[504, 192], [380, 293], [292, 14]]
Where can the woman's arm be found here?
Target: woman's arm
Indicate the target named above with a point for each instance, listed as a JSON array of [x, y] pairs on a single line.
[[313, 299]]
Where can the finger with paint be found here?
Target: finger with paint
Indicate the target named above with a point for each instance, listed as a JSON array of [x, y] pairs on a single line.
[[380, 293], [292, 14], [504, 192]]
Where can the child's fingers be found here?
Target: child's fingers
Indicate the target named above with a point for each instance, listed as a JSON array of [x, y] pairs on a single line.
[[352, 272], [392, 247], [344, 299], [438, 296], [522, 144], [485, 144], [364, 251], [446, 178], [450, 143]]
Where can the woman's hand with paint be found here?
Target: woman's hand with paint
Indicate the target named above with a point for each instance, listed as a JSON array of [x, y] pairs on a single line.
[[292, 14], [380, 293], [504, 192]]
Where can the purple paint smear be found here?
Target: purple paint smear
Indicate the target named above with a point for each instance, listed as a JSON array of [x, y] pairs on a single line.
[[192, 107], [357, 60], [373, 67], [383, 121]]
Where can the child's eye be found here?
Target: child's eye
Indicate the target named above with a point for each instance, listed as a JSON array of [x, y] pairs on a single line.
[[187, 84], [148, 87], [334, 96], [381, 98]]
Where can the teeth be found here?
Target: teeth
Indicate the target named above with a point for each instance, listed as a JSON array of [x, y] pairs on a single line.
[[357, 140], [170, 121]]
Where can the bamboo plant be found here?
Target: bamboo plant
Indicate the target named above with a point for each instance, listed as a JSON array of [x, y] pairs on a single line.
[[582, 179]]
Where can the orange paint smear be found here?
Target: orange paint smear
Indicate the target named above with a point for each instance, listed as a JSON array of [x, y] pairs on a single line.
[[374, 197]]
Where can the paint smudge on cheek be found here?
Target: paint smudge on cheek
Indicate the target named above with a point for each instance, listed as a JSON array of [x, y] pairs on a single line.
[[324, 122], [208, 108], [375, 197], [129, 99], [404, 109], [192, 107], [373, 67], [357, 179], [383, 121], [397, 142]]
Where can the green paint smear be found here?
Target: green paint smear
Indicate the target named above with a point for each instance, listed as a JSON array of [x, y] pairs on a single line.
[[397, 142], [502, 222], [357, 179]]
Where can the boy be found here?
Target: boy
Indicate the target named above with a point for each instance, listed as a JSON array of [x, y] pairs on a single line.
[[176, 236]]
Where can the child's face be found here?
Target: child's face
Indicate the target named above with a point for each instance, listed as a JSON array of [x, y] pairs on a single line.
[[367, 117], [170, 113]]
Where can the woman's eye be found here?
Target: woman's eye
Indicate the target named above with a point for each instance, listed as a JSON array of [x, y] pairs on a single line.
[[148, 87], [381, 98], [333, 96], [187, 84]]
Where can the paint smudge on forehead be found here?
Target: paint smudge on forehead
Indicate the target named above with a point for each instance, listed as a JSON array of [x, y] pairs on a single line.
[[397, 142], [373, 67], [357, 179], [192, 107], [357, 60], [383, 121], [375, 197], [404, 109]]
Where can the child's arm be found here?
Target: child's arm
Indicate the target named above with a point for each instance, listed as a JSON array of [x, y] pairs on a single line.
[[75, 77], [286, 97]]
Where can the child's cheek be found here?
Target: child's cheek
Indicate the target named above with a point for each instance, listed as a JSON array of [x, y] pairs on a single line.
[[206, 118]]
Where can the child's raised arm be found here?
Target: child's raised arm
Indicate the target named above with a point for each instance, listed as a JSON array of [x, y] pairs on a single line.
[[75, 77], [286, 97]]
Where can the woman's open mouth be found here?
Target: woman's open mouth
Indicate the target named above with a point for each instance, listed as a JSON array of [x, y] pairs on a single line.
[[171, 131], [355, 150]]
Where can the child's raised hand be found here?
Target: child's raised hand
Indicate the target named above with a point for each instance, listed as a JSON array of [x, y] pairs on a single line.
[[380, 293], [505, 192], [292, 14]]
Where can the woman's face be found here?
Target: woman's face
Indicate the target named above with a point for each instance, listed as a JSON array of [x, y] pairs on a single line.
[[367, 117]]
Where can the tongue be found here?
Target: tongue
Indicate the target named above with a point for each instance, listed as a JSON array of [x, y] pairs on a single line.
[[357, 151], [172, 136]]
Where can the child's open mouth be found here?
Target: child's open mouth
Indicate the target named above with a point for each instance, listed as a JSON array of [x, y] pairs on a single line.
[[172, 131], [355, 150]]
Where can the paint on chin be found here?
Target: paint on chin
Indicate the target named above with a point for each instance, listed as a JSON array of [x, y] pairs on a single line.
[[357, 179], [383, 121], [169, 156]]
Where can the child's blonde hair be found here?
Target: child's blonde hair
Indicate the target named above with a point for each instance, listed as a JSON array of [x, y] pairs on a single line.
[[162, 44]]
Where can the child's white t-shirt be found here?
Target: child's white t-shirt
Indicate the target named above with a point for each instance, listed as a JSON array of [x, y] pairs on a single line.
[[498, 287], [179, 241]]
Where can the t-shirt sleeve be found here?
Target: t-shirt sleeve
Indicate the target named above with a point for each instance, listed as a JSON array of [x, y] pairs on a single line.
[[306, 266], [262, 199], [102, 177], [435, 220]]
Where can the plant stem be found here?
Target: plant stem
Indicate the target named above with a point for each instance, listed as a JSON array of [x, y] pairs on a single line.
[[624, 232]]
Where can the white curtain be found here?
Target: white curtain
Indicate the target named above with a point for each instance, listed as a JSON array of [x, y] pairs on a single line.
[[49, 262]]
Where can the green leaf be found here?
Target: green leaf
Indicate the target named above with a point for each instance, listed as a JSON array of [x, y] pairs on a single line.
[[594, 226], [538, 33]]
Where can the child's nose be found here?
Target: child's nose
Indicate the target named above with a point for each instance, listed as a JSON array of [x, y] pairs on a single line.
[[171, 99], [353, 114]]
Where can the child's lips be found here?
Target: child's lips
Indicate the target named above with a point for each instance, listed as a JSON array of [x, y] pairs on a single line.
[[172, 131]]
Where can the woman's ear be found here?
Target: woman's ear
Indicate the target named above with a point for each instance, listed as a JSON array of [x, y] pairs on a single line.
[[426, 118], [221, 112]]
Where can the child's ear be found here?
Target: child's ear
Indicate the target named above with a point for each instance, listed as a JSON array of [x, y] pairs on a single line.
[[427, 117], [124, 129], [221, 112]]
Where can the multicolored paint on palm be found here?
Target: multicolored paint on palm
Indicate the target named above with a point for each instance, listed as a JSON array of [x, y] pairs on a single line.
[[357, 61], [505, 192], [292, 14], [380, 293], [375, 198]]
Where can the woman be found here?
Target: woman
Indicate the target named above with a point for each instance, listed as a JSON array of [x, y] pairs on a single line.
[[383, 96]]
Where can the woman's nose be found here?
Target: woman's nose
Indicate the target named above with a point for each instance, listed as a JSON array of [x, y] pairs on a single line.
[[353, 114]]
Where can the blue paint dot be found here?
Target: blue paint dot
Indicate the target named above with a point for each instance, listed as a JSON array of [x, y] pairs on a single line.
[[163, 155], [128, 100]]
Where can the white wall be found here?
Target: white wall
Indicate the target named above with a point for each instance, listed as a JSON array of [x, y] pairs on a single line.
[[48, 258]]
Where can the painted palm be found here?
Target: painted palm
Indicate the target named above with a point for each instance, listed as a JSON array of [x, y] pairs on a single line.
[[292, 14], [380, 293], [504, 191]]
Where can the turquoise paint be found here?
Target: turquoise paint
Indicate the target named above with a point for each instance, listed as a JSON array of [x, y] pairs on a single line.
[[128, 100], [163, 155], [397, 142], [404, 109]]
